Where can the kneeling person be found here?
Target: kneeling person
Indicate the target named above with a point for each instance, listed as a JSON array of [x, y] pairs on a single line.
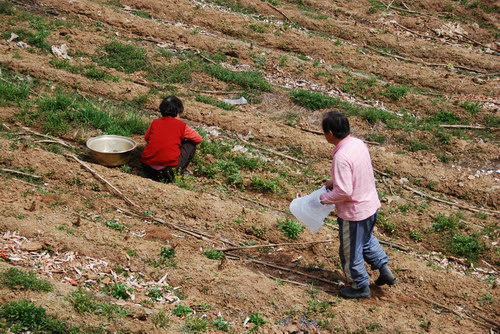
[[171, 143]]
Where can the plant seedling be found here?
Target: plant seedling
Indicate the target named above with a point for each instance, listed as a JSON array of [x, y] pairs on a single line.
[[181, 310], [291, 228], [213, 254]]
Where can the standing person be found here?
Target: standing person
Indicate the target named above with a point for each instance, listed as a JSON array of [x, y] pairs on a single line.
[[352, 190], [171, 143]]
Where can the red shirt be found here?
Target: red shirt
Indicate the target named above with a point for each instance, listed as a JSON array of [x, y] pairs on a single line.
[[164, 139]]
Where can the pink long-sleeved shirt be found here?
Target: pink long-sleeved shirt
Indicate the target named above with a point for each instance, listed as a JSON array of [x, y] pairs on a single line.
[[354, 193]]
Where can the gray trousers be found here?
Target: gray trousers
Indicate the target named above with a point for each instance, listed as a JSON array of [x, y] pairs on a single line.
[[357, 245]]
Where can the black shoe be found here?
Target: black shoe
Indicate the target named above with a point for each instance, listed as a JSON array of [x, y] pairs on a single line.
[[386, 276], [350, 292]]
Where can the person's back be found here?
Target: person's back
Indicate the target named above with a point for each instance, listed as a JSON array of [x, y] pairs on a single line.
[[361, 199], [164, 138], [171, 143]]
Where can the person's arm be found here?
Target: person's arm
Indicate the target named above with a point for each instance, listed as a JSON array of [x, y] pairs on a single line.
[[342, 184], [192, 135]]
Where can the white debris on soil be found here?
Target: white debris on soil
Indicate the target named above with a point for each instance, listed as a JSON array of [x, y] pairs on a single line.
[[12, 37], [239, 148], [60, 51], [453, 30], [239, 101], [459, 266], [22, 45], [70, 267]]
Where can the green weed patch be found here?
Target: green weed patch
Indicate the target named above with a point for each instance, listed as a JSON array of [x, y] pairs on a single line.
[[11, 92], [16, 279], [65, 111], [179, 73], [245, 79], [34, 38], [313, 100], [123, 57], [290, 228], [395, 93], [21, 316], [466, 246], [84, 302]]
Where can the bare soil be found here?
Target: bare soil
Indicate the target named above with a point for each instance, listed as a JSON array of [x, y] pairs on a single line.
[[59, 223]]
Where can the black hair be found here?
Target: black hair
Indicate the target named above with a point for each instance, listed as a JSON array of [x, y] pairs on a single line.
[[171, 106], [337, 124]]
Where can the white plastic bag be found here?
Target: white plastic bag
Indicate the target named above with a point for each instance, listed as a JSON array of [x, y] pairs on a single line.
[[309, 210]]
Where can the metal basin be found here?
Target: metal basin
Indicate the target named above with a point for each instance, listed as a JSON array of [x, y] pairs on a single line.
[[110, 150]]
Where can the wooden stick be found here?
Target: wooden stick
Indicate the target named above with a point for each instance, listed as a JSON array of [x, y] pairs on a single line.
[[285, 280], [276, 245], [6, 127], [477, 43], [388, 185], [491, 322], [457, 313], [279, 11], [473, 209], [393, 245], [413, 32], [293, 271], [45, 136], [53, 142], [13, 171], [381, 173], [312, 131], [272, 151], [102, 180], [262, 204], [219, 92], [460, 126], [190, 231], [207, 59], [298, 283], [422, 62]]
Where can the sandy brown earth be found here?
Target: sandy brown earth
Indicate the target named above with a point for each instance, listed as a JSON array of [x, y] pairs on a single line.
[[445, 51]]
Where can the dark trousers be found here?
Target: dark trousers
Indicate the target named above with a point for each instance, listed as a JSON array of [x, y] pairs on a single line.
[[357, 245], [167, 174]]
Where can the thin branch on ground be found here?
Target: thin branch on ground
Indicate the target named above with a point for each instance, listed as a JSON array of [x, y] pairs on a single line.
[[473, 209], [101, 179], [219, 92], [279, 11], [312, 131], [380, 172], [13, 171], [423, 62], [190, 231], [411, 31], [460, 126], [261, 204], [272, 265], [52, 142], [490, 322], [276, 245], [272, 151], [59, 141], [298, 283], [393, 245]]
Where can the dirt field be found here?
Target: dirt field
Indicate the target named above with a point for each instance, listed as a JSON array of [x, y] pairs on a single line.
[[420, 84]]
